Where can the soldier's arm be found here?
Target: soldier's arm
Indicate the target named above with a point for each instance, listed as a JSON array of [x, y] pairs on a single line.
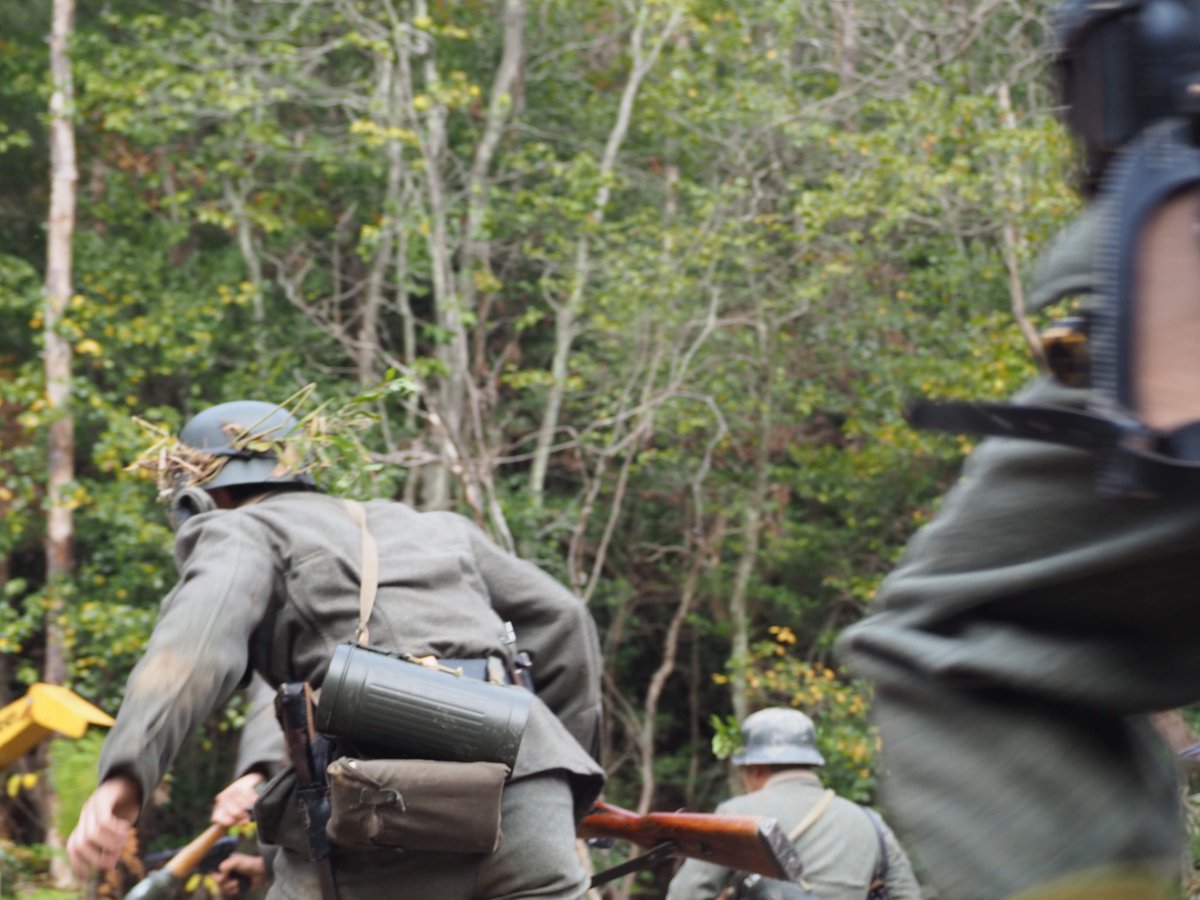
[[556, 628], [261, 747], [199, 649], [104, 825], [901, 881], [261, 753]]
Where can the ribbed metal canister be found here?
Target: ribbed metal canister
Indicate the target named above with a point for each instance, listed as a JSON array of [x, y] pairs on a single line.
[[418, 712]]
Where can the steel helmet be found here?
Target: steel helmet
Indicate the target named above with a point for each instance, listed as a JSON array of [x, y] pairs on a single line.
[[1123, 64], [216, 429], [779, 736]]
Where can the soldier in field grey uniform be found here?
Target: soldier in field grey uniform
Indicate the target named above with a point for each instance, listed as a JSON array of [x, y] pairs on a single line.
[[841, 845], [1023, 629], [1029, 629], [269, 583]]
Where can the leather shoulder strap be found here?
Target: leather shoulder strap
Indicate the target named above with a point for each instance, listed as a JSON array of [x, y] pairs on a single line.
[[369, 576], [813, 814]]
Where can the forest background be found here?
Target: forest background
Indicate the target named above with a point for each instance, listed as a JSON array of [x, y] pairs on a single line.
[[639, 285]]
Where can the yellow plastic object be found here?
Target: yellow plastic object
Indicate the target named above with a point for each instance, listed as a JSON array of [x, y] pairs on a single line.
[[44, 710]]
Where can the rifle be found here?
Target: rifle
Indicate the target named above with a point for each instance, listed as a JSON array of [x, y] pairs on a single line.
[[754, 844], [201, 853], [309, 753]]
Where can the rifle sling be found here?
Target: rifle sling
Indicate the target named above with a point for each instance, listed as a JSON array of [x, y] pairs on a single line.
[[1134, 459], [794, 835], [813, 814], [649, 858]]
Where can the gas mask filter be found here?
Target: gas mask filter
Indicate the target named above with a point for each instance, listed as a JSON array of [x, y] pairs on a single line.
[[187, 502]]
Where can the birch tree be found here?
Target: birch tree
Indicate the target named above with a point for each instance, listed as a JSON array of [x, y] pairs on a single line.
[[60, 451], [58, 291], [647, 37]]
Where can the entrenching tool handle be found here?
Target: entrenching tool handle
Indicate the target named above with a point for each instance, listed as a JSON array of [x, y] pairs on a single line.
[[164, 883], [182, 863]]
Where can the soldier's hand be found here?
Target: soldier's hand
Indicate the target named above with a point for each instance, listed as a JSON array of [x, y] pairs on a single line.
[[103, 827], [240, 872], [234, 804]]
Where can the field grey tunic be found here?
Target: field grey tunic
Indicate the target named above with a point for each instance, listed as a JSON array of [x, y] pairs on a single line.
[[273, 587], [1013, 651]]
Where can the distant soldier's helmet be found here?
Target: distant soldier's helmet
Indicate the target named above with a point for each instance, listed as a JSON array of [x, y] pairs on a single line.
[[224, 431], [1123, 64], [778, 736]]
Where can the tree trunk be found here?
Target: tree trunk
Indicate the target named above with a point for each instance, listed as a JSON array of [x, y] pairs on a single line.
[[366, 353], [566, 320], [739, 612], [451, 392], [61, 444], [61, 449], [476, 256], [1011, 246]]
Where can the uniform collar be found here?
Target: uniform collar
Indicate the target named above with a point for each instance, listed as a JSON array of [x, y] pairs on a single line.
[[805, 775]]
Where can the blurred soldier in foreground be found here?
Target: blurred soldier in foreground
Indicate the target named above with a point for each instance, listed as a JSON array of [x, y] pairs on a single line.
[[846, 849], [1051, 605], [272, 575]]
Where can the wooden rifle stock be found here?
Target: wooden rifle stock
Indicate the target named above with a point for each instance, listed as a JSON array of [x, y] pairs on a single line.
[[747, 843]]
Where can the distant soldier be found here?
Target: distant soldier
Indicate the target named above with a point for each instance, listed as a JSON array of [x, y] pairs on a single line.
[[846, 849]]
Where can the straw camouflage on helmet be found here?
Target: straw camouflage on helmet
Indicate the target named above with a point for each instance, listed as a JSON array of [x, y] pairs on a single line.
[[223, 430], [779, 736], [238, 443]]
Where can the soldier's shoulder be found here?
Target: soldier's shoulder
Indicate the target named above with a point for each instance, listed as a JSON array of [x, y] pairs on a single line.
[[743, 805], [1068, 265]]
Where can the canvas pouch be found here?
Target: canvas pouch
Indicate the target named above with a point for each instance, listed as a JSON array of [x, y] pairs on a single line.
[[415, 804], [277, 813]]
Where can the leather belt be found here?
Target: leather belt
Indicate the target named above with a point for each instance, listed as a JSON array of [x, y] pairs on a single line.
[[491, 669], [1134, 460]]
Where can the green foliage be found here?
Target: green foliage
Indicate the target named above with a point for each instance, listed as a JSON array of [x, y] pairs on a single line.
[[21, 866], [727, 736], [73, 774]]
